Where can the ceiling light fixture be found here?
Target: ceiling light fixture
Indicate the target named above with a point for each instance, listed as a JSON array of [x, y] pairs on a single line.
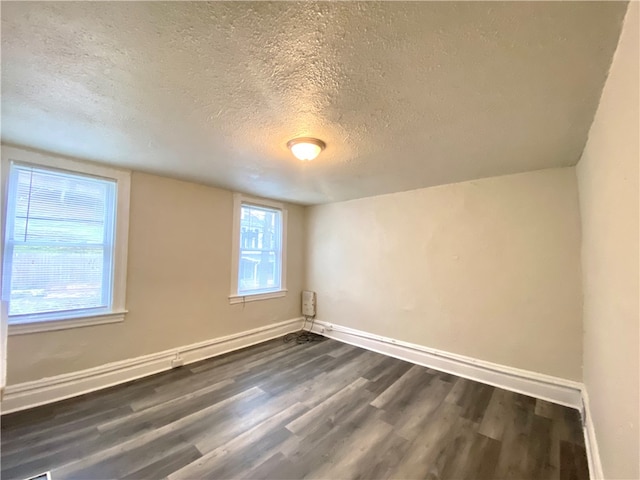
[[306, 148]]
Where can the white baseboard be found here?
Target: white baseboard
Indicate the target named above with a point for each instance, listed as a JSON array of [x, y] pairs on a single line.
[[52, 389], [590, 441], [557, 390], [546, 387]]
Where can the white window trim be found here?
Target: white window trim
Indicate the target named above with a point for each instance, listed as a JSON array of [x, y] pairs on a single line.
[[64, 323], [252, 297], [123, 180], [234, 298]]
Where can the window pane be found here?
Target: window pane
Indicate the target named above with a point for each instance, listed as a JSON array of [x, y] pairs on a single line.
[[60, 232], [53, 278], [259, 270], [59, 207], [260, 249]]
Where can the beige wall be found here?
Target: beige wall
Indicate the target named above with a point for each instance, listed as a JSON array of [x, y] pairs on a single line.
[[488, 268], [178, 282], [608, 185]]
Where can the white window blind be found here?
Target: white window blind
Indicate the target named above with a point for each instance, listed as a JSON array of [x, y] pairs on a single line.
[[260, 263], [59, 247]]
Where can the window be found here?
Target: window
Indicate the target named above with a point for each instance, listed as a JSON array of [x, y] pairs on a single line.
[[64, 248], [258, 250]]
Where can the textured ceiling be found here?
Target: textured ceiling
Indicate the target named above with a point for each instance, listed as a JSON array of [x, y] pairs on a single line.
[[405, 95]]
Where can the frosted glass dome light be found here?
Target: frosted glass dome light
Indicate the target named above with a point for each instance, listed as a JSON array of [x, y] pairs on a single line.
[[306, 149]]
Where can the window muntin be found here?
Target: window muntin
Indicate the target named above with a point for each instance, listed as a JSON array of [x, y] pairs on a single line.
[[260, 249], [59, 244]]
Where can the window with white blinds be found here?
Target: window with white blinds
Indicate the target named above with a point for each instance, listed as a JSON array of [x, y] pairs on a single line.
[[60, 244], [259, 249]]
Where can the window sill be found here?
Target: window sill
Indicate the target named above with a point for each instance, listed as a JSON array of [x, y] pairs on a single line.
[[48, 325], [253, 297]]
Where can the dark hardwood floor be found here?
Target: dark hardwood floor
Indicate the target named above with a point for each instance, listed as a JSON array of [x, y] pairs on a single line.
[[276, 410]]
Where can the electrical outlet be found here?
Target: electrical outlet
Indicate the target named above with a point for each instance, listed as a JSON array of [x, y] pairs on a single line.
[[177, 362]]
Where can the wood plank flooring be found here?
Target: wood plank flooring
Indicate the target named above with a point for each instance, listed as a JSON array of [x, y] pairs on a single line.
[[289, 411]]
